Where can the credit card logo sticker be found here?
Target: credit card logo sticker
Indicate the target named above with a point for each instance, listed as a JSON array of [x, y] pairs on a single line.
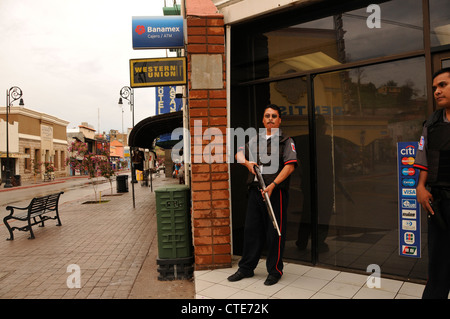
[[409, 250], [408, 171], [408, 160], [409, 225], [409, 192], [409, 182], [409, 214], [409, 203], [409, 238]]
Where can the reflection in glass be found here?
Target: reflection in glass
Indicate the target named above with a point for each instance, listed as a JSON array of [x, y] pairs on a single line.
[[445, 63], [383, 105], [440, 22], [345, 37]]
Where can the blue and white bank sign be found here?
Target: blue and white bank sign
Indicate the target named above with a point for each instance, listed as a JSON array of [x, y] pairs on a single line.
[[157, 32], [409, 208]]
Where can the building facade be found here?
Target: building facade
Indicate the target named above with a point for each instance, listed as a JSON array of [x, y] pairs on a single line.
[[353, 78], [34, 139]]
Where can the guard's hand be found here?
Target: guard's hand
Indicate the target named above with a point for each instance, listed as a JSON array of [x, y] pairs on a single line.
[[250, 165], [268, 190], [424, 197]]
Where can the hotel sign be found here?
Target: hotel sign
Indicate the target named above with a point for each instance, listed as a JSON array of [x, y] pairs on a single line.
[[157, 72]]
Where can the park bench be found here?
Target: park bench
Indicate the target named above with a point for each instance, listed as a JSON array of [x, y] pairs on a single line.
[[38, 207]]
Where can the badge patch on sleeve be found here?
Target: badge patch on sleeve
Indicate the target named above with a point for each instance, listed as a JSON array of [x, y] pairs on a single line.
[[422, 141], [293, 147]]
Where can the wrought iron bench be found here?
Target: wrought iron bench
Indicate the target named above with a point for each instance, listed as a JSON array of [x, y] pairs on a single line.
[[38, 207]]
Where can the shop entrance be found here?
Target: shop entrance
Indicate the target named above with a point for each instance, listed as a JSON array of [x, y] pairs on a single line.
[[12, 168], [348, 93]]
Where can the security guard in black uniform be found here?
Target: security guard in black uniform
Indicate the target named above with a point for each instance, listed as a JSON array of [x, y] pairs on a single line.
[[433, 188], [258, 226]]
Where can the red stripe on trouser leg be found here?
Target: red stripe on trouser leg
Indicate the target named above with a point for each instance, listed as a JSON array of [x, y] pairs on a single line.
[[279, 238]]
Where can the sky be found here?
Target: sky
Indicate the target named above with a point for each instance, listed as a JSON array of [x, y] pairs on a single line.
[[71, 58]]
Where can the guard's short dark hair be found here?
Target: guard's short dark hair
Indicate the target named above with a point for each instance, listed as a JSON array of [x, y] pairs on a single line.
[[273, 107], [441, 71]]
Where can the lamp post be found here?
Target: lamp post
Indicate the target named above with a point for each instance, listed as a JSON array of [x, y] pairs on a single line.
[[128, 94], [13, 94]]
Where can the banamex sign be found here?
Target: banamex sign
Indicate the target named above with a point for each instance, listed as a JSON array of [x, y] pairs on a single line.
[[157, 32]]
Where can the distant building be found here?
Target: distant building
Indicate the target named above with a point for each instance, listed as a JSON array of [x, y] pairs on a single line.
[[33, 138], [84, 133], [122, 138], [116, 153]]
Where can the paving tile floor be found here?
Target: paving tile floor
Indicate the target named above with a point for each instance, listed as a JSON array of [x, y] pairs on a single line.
[[114, 245]]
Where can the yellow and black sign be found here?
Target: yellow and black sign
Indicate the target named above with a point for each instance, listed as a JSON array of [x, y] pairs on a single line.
[[157, 72]]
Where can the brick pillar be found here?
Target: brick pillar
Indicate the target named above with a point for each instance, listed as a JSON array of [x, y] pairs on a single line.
[[207, 103]]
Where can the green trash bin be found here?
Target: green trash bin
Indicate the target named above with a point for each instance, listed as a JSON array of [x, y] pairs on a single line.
[[173, 221]]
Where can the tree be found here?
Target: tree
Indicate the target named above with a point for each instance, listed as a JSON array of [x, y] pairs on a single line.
[[105, 166], [81, 159], [36, 168], [93, 164]]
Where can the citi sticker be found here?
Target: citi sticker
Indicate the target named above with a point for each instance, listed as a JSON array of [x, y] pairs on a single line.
[[409, 192], [408, 150]]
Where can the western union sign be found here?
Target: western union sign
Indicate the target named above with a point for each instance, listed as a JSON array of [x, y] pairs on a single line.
[[158, 72]]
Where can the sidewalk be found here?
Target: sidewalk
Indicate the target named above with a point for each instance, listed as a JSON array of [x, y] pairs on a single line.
[[116, 248], [114, 245]]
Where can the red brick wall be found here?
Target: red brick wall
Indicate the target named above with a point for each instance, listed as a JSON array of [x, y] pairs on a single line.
[[211, 226]]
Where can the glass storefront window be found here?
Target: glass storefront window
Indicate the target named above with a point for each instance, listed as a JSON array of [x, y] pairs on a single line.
[[357, 163], [440, 22], [346, 37], [360, 115]]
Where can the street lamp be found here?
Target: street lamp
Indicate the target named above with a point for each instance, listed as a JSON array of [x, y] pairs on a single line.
[[13, 94], [128, 94]]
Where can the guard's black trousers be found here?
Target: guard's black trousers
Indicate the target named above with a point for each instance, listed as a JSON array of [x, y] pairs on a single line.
[[438, 284], [259, 229]]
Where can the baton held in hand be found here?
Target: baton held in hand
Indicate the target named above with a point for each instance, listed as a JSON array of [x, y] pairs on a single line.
[[267, 199]]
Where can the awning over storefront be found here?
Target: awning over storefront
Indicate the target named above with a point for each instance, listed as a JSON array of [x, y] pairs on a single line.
[[145, 132]]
